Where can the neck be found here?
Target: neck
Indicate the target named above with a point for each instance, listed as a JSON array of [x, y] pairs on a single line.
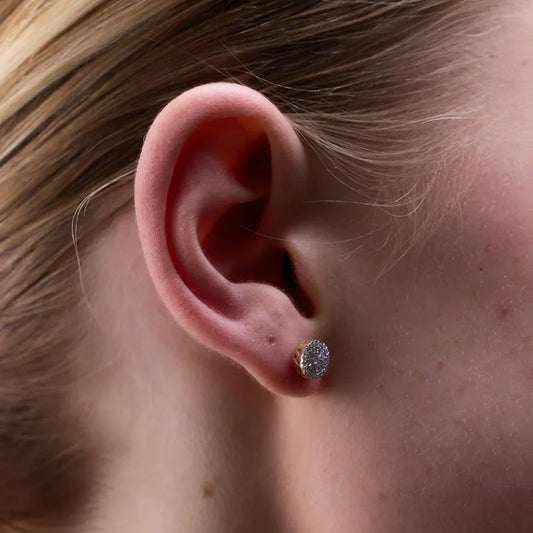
[[197, 451]]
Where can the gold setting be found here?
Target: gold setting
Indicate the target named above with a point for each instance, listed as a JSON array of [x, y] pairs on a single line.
[[298, 358]]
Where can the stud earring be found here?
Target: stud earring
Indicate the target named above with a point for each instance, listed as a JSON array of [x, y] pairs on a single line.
[[311, 359]]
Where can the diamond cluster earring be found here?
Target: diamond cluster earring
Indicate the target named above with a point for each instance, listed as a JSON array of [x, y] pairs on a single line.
[[312, 359]]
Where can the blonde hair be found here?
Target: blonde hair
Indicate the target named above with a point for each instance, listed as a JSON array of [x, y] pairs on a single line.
[[381, 91]]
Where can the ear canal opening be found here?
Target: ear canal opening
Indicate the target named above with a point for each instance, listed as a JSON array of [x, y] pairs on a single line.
[[233, 245], [294, 290], [242, 255]]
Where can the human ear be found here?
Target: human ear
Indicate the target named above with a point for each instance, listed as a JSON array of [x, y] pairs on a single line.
[[218, 185]]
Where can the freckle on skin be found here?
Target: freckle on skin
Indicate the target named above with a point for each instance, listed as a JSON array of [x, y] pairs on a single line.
[[440, 365], [504, 310], [208, 490]]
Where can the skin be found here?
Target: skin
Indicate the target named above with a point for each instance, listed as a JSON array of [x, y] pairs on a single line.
[[423, 422]]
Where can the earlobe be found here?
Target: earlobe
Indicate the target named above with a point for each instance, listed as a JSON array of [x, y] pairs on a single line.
[[221, 168]]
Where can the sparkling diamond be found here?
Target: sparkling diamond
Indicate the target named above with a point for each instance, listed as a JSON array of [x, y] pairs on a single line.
[[315, 359]]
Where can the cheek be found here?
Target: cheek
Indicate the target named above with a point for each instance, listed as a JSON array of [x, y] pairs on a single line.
[[482, 468], [473, 476], [443, 350], [457, 449], [452, 374], [473, 415]]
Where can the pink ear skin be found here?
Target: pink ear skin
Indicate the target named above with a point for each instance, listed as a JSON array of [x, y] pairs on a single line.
[[220, 168]]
